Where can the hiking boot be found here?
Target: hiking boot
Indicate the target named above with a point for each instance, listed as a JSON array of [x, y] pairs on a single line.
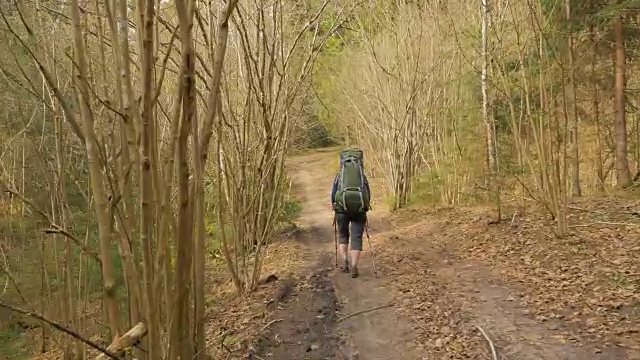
[[354, 272], [345, 267]]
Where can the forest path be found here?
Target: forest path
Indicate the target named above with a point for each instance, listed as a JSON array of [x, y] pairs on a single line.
[[375, 334], [425, 303]]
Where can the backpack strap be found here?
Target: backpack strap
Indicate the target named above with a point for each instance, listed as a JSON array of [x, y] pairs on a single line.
[[360, 187], [342, 186]]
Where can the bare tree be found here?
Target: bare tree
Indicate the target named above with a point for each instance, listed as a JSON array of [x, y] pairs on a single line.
[[600, 175], [623, 175], [487, 113], [94, 163], [394, 96], [575, 154], [263, 81]]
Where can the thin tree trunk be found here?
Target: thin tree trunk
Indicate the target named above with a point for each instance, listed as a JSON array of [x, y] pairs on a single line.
[[147, 171], [575, 156], [214, 109], [181, 339], [126, 212], [487, 114], [596, 110], [197, 191], [623, 176], [95, 172]]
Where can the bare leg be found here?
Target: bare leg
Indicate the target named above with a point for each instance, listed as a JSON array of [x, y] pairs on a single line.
[[355, 256], [343, 251], [357, 230], [343, 236]]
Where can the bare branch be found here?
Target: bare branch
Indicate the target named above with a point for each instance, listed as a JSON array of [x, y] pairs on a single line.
[[64, 329], [54, 228]]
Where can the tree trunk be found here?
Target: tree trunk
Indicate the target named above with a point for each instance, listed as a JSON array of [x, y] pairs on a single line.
[[575, 149], [596, 110], [623, 176], [148, 166], [487, 115], [95, 172], [181, 334]]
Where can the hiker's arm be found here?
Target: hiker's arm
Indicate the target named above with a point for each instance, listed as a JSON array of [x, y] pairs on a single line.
[[366, 184], [334, 190]]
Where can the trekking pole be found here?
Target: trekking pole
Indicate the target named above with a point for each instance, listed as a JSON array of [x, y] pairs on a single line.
[[335, 236], [373, 254]]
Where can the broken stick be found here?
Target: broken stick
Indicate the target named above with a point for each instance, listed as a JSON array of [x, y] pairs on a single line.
[[493, 348], [269, 324], [120, 344], [365, 311]]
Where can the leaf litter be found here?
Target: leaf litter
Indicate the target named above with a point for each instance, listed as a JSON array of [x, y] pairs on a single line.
[[581, 291]]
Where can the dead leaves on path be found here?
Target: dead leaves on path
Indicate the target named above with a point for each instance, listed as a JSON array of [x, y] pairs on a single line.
[[586, 285], [235, 322], [436, 314], [589, 280]]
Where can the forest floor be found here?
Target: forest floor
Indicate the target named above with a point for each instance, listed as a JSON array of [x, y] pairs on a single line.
[[445, 277]]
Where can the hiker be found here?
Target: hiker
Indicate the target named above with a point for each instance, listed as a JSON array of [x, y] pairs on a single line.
[[350, 199]]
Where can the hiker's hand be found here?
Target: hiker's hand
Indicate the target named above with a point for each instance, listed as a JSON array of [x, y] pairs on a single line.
[[333, 206]]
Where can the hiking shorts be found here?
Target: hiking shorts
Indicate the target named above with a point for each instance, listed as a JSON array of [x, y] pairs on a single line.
[[357, 223]]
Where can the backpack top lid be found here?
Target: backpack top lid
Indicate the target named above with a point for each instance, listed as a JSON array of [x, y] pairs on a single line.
[[352, 152]]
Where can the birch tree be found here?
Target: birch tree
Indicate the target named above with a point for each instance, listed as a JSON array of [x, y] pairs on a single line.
[[487, 113], [575, 153]]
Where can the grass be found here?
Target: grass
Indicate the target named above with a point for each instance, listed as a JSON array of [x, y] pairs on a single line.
[[13, 344]]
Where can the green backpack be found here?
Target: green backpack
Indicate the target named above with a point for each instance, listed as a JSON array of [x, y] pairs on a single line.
[[352, 196]]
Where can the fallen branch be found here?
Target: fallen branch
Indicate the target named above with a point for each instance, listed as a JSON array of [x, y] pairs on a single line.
[[603, 223], [603, 213], [75, 335], [420, 325], [513, 218], [365, 311], [120, 344], [493, 348], [269, 324]]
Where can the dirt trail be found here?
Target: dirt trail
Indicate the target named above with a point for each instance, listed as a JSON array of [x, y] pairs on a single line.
[[468, 294], [309, 319], [451, 296], [379, 334]]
